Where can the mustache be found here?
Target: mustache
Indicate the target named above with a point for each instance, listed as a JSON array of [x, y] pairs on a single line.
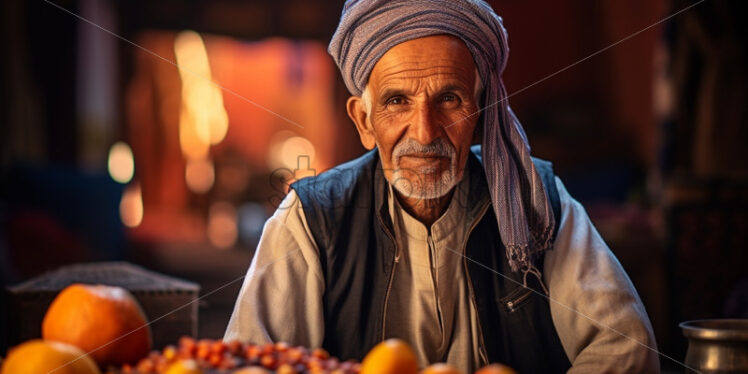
[[410, 147]]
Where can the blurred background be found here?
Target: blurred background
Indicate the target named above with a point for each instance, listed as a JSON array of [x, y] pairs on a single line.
[[164, 133]]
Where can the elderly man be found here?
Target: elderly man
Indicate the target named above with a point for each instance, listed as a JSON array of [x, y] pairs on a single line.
[[470, 254]]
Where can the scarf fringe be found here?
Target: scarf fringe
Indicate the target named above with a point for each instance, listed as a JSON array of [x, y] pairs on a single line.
[[523, 256]]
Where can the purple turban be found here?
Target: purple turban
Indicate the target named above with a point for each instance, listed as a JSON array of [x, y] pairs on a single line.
[[369, 28]]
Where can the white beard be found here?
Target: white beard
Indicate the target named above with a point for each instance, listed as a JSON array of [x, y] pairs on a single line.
[[425, 183]]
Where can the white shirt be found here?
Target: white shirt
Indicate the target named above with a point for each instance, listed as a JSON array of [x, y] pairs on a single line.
[[429, 304], [600, 320]]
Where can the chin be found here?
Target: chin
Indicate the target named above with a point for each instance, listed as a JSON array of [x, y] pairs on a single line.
[[424, 186]]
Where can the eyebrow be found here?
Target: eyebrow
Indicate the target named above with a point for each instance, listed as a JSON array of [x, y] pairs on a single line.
[[451, 87], [391, 92]]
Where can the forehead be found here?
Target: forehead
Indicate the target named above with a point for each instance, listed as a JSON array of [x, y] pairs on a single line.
[[439, 56]]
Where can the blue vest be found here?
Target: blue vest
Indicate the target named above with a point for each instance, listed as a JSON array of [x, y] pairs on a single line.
[[347, 213]]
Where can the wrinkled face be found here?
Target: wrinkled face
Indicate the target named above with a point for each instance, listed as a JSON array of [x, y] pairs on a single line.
[[420, 113]]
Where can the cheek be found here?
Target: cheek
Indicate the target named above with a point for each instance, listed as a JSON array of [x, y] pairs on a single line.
[[461, 136], [461, 128], [388, 130], [391, 121]]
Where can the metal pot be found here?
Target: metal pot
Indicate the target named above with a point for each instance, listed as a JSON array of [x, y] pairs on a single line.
[[717, 345]]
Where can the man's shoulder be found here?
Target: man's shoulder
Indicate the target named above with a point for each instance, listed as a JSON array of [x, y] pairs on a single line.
[[337, 181], [345, 170], [544, 165]]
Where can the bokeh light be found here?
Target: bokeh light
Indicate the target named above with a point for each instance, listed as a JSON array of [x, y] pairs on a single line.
[[199, 175], [121, 163], [131, 206], [286, 148], [203, 120], [293, 148], [222, 225]]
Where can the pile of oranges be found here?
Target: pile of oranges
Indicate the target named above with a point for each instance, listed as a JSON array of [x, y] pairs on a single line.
[[209, 356], [214, 356], [88, 327]]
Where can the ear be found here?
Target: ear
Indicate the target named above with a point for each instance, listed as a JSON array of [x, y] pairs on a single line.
[[357, 112]]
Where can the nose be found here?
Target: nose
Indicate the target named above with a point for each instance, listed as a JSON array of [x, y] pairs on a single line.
[[425, 127]]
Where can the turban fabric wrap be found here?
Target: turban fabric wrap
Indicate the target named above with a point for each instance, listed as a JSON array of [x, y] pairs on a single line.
[[369, 28]]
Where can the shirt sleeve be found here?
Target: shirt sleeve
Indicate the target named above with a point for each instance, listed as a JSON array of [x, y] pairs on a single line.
[[281, 297], [600, 320]]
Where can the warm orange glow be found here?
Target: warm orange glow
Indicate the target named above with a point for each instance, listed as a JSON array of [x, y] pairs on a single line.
[[199, 175], [121, 163], [233, 177], [131, 206], [294, 149], [203, 120], [192, 146], [222, 225], [290, 151], [294, 78]]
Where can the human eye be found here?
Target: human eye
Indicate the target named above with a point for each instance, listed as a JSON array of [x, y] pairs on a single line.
[[395, 100], [450, 100]]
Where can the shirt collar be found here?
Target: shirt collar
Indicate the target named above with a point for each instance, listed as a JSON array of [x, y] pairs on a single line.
[[469, 196]]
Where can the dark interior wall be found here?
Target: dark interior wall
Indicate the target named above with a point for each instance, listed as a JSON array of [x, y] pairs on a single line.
[[247, 20], [39, 57], [566, 89]]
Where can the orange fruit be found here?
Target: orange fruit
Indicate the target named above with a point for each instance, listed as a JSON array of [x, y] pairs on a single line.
[[184, 367], [392, 356], [39, 356], [496, 369], [105, 321], [252, 370], [441, 368]]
